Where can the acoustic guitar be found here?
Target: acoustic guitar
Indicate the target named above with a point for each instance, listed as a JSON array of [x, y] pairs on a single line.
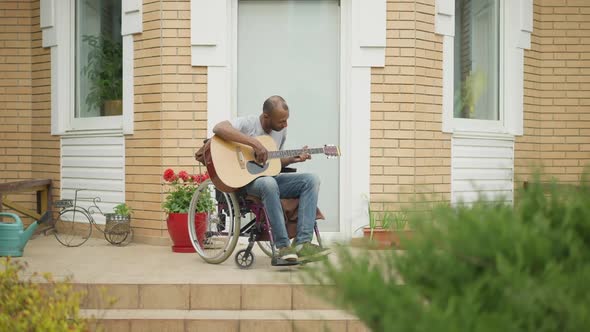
[[233, 165]]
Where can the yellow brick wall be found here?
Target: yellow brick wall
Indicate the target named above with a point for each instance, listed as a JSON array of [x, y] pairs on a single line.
[[410, 155], [557, 92], [15, 90], [170, 113], [20, 108]]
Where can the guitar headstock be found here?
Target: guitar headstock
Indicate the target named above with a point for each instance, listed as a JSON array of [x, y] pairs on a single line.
[[331, 151]]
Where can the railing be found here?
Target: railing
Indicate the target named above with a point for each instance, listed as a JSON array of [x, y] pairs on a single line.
[[42, 188]]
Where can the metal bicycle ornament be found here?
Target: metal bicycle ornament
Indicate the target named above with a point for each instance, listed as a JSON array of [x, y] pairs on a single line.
[[118, 229], [73, 227]]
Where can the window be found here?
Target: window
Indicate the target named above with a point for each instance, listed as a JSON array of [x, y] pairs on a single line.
[[476, 59], [99, 59]]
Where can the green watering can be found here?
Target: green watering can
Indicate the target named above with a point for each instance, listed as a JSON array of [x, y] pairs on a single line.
[[14, 236]]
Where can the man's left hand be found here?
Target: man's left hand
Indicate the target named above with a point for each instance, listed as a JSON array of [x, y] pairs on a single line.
[[303, 156]]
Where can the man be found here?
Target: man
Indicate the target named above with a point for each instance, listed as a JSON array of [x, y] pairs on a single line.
[[270, 189]]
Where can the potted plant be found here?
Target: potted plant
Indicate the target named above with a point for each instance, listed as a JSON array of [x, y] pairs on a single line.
[[386, 229], [118, 229], [104, 69], [182, 186]]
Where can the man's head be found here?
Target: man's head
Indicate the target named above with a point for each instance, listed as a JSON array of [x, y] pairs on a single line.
[[275, 113]]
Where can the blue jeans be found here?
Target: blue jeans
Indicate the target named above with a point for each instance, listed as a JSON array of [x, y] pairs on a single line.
[[271, 189]]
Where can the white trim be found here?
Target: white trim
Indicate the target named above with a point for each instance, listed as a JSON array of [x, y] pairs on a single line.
[[210, 30], [357, 158], [363, 33], [128, 85], [515, 29], [47, 22], [368, 30], [448, 84], [131, 17], [61, 83], [219, 87], [445, 17]]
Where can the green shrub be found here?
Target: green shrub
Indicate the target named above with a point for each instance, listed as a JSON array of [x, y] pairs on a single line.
[[29, 306], [484, 267]]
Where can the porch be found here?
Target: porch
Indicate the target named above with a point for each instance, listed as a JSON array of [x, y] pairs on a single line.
[[157, 290]]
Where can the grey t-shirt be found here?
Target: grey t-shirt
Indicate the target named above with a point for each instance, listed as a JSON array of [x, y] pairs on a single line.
[[250, 125]]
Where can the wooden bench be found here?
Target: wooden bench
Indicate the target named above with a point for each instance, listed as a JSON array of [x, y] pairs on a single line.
[[42, 188]]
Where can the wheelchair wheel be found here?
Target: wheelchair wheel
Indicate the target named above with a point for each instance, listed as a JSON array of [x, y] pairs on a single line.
[[216, 239], [244, 259]]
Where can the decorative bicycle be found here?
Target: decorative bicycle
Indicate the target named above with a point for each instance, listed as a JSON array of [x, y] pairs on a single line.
[[73, 227]]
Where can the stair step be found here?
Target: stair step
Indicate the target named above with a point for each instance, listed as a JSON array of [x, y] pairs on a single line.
[[203, 296], [222, 320]]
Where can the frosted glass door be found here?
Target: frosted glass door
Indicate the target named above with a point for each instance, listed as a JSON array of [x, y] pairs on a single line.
[[292, 49]]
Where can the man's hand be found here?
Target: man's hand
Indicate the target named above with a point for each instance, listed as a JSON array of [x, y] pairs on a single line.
[[303, 156], [260, 153]]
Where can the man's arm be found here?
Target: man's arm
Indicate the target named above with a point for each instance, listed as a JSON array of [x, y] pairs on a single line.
[[226, 131]]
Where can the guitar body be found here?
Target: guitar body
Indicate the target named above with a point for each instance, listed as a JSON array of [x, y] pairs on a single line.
[[232, 165]]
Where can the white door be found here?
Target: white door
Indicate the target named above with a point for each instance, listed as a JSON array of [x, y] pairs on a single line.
[[292, 49]]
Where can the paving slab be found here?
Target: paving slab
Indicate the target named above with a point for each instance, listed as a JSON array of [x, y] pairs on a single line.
[[97, 261]]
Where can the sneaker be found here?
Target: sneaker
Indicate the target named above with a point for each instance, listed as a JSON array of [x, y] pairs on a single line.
[[288, 253], [310, 252]]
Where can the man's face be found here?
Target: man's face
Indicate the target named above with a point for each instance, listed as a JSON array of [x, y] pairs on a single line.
[[278, 119]]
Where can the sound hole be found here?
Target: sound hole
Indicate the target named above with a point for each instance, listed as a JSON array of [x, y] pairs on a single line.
[[254, 168]]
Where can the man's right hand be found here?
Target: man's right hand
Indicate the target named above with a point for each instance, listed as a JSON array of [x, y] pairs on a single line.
[[260, 153]]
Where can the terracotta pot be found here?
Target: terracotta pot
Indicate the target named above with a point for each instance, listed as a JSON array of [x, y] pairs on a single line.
[[113, 107], [178, 230], [386, 238]]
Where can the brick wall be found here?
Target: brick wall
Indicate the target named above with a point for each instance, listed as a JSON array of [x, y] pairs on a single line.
[[170, 113], [16, 87], [15, 90], [557, 92], [410, 156]]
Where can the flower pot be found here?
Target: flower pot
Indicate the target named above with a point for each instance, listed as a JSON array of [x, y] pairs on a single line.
[[178, 230], [113, 107], [386, 238]]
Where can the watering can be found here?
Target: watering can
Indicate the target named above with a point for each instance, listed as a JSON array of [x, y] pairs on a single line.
[[14, 237]]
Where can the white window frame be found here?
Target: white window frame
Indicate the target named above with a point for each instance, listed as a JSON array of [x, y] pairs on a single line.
[[516, 25], [58, 28], [363, 37]]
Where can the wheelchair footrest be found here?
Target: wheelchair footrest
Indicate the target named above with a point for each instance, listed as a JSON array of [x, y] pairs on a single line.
[[276, 261]]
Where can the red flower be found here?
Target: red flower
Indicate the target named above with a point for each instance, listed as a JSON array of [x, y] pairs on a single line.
[[183, 175], [169, 175], [181, 188]]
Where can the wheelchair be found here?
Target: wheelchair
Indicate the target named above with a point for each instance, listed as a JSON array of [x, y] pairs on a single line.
[[216, 235]]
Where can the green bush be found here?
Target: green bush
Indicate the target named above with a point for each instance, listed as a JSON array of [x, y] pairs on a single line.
[[29, 306], [484, 267]]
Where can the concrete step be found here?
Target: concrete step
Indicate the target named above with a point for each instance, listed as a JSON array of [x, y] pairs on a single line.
[[203, 296], [222, 320]]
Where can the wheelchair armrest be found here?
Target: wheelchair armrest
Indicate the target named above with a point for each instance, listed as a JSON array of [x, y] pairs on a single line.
[[288, 170]]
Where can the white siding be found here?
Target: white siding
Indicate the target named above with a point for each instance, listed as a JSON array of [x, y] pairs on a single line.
[[482, 167], [95, 163]]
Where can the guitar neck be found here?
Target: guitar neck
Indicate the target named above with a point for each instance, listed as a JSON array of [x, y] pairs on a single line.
[[292, 153]]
